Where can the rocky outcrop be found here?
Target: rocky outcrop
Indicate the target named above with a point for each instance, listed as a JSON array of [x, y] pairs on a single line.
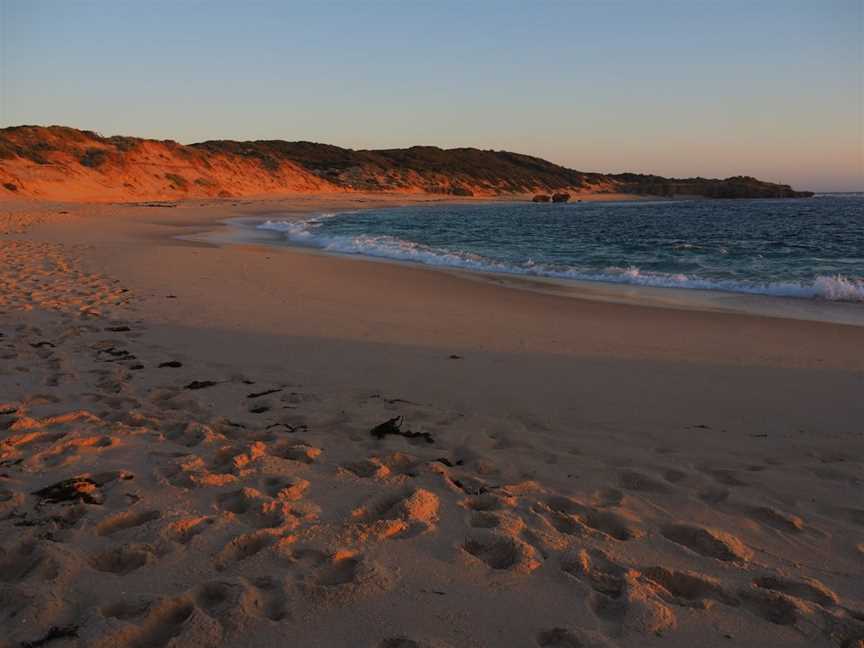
[[540, 198], [63, 163]]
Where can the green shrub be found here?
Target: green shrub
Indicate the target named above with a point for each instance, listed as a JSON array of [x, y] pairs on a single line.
[[123, 143], [461, 191], [93, 158]]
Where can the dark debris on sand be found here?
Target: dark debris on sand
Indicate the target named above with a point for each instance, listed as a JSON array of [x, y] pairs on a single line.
[[55, 632], [393, 427], [117, 354], [201, 384], [291, 429], [81, 488], [263, 393], [71, 490]]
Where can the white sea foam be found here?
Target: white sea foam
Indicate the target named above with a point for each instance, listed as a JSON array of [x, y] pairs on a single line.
[[305, 232]]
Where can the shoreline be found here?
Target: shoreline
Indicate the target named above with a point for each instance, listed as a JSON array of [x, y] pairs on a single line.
[[110, 231], [242, 230]]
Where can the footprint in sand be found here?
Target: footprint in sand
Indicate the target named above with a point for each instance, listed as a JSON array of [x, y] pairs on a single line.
[[572, 517], [688, 589], [607, 497], [501, 520], [286, 489], [595, 567], [636, 481], [714, 495], [344, 576], [28, 560], [403, 514], [126, 610], [256, 509], [406, 642], [725, 477], [185, 529], [708, 542], [273, 602], [855, 515], [777, 519], [126, 520], [371, 468], [489, 502], [674, 476], [572, 638], [501, 551], [298, 452], [243, 547], [622, 597], [222, 600], [235, 602], [805, 588], [775, 607], [175, 621], [123, 560], [192, 433]]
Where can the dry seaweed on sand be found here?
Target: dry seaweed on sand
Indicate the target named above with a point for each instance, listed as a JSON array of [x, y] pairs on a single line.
[[393, 427]]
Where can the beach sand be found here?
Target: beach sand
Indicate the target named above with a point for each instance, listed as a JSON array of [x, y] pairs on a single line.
[[187, 455]]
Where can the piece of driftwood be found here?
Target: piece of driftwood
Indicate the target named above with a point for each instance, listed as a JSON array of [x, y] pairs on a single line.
[[263, 393]]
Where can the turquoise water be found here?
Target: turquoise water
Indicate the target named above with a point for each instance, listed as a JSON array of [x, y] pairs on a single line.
[[810, 248]]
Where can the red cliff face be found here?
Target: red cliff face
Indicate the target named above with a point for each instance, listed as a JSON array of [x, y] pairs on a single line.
[[65, 164], [60, 163]]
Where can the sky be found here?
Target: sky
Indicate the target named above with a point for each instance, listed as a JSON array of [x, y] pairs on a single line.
[[682, 88]]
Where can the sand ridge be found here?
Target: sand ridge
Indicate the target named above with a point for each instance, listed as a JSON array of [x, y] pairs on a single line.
[[148, 498]]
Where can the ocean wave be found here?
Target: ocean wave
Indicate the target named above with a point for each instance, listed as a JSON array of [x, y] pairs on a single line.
[[305, 232], [840, 194]]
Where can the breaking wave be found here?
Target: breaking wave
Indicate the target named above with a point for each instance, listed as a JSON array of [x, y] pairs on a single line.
[[306, 232]]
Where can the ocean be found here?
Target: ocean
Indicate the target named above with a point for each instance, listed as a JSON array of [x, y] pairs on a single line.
[[807, 248]]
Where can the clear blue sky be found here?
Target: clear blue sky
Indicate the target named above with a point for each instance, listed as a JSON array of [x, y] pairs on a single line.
[[676, 87]]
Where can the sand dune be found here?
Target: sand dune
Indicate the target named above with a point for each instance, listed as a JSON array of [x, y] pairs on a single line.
[[62, 163], [152, 497]]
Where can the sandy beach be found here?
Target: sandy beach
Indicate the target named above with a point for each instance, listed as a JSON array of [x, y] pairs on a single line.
[[206, 442]]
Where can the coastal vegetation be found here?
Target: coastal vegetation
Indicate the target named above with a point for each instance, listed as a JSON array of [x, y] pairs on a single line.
[[53, 161]]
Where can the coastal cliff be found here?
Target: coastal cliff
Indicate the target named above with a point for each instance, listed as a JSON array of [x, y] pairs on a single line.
[[62, 163]]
